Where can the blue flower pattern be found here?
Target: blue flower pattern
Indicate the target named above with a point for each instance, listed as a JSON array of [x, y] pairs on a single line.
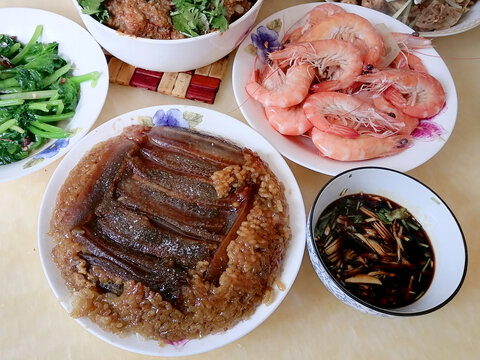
[[265, 41], [53, 149], [173, 117]]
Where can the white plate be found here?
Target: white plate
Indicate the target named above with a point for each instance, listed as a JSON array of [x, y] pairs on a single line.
[[467, 22], [210, 122], [300, 149], [79, 49]]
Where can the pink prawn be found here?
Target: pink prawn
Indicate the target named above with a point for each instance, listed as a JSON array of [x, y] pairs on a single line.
[[337, 60], [352, 28], [347, 116], [417, 94], [313, 17], [361, 148], [288, 121], [283, 88]]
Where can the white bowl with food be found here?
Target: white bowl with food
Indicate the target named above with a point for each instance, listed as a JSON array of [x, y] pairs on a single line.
[[431, 18], [59, 107], [202, 302], [386, 244], [168, 53], [329, 157]]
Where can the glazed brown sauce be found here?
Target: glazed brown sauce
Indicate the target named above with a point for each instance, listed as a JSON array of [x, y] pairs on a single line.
[[376, 249]]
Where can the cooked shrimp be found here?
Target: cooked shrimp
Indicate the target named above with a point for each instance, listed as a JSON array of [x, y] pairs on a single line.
[[403, 123], [347, 116], [336, 60], [352, 28], [408, 61], [288, 121], [361, 148], [289, 88], [409, 122], [312, 18], [417, 94]]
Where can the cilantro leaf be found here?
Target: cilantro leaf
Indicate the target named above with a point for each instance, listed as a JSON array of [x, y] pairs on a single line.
[[95, 9], [199, 17]]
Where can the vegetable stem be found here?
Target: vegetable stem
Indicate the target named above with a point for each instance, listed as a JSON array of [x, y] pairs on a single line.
[[19, 57], [54, 118], [30, 95], [46, 134], [11, 102], [93, 76], [6, 125], [47, 127], [50, 79]]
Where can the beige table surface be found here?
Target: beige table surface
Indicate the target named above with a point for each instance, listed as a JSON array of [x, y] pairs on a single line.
[[310, 323]]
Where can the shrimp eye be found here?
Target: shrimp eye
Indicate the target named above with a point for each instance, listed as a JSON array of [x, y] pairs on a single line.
[[392, 115], [369, 67], [416, 33], [403, 142]]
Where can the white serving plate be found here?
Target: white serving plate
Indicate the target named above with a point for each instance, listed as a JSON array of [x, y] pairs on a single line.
[[467, 22], [207, 121], [82, 51], [300, 149]]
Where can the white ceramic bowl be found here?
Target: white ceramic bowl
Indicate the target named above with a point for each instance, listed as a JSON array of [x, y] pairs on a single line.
[[428, 208], [171, 55], [74, 42]]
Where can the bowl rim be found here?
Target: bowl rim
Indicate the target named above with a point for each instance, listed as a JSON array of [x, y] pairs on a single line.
[[391, 312], [114, 32]]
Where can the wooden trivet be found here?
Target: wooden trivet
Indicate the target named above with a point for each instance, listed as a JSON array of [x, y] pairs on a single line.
[[200, 84]]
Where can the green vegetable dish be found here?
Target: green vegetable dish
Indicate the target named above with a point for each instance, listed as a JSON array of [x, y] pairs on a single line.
[[37, 90], [165, 19]]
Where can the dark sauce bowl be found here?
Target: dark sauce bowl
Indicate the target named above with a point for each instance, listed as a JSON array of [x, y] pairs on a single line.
[[427, 207]]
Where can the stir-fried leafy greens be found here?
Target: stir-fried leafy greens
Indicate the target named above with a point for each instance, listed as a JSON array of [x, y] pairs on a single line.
[[189, 17], [36, 91], [197, 17]]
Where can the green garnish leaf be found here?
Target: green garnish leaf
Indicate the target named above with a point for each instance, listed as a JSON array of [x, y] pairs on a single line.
[[95, 9], [388, 216], [199, 17]]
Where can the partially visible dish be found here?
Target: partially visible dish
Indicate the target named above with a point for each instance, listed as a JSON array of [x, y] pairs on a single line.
[[166, 19], [204, 121], [431, 18], [299, 148], [37, 90], [169, 55], [73, 43]]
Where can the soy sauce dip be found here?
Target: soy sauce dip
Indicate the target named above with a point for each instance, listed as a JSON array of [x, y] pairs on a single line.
[[376, 249]]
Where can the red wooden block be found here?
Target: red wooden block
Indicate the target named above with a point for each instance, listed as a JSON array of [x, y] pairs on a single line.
[[144, 81], [201, 94], [205, 82], [156, 74]]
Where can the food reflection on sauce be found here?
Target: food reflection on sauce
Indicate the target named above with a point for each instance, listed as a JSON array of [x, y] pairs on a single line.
[[376, 249]]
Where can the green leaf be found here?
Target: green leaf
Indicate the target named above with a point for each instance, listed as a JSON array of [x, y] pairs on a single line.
[[95, 9], [198, 17]]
